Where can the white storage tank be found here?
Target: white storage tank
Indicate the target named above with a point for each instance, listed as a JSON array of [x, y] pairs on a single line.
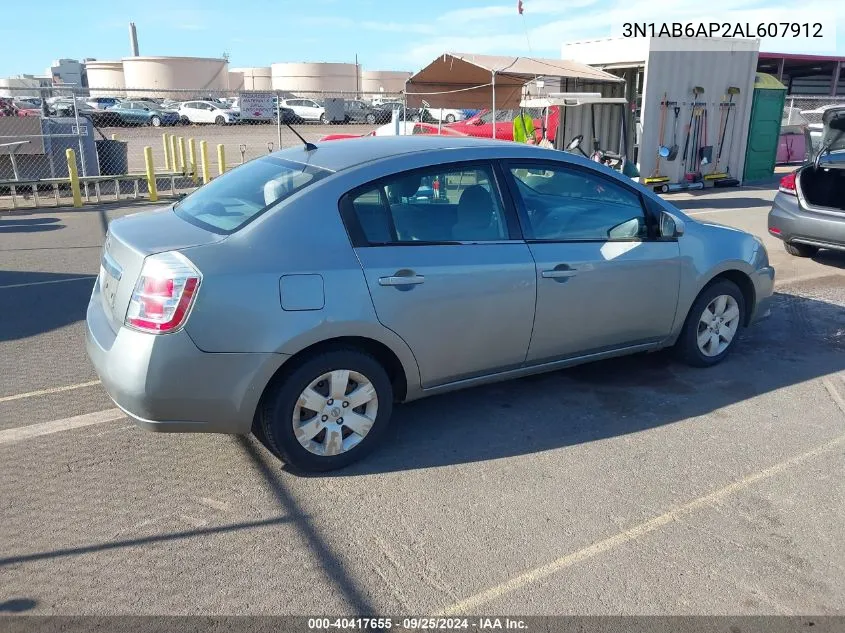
[[19, 86], [315, 77], [159, 76], [105, 79], [386, 81], [254, 78], [236, 80]]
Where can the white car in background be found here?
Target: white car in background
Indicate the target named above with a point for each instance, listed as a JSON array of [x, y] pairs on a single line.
[[207, 112], [446, 115], [306, 109]]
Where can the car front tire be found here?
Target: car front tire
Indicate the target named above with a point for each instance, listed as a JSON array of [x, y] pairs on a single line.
[[450, 118], [327, 412], [800, 250], [220, 120], [155, 121], [713, 324], [370, 118]]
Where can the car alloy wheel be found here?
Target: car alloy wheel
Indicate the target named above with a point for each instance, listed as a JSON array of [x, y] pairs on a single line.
[[371, 119], [323, 119], [718, 325], [335, 412], [327, 410], [450, 118], [155, 121]]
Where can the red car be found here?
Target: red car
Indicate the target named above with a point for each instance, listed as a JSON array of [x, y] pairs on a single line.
[[390, 130], [481, 124], [9, 107]]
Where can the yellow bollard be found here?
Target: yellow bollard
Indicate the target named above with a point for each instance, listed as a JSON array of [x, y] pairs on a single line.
[[192, 152], [151, 174], [174, 156], [183, 163], [221, 160], [166, 139], [73, 174], [204, 159]]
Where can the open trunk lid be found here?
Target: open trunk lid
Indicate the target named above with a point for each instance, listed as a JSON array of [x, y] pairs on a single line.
[[833, 138], [129, 241]]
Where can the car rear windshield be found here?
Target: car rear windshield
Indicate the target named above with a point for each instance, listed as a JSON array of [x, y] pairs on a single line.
[[232, 201]]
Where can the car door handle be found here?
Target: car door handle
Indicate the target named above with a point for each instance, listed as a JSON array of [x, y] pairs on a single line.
[[411, 280], [558, 274]]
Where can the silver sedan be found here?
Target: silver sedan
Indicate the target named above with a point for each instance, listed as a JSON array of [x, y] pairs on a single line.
[[304, 293]]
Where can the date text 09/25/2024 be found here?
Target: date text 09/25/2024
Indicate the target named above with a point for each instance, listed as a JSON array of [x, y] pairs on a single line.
[[723, 29], [417, 624]]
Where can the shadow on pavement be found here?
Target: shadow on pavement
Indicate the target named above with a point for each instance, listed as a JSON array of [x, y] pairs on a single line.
[[333, 567], [29, 225], [804, 339], [41, 302], [830, 258], [158, 538], [17, 605]]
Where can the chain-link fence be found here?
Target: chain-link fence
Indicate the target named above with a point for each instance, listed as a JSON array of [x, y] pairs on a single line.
[[122, 143], [807, 110], [193, 136]]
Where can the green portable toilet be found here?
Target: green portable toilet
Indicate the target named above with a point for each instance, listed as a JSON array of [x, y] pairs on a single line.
[[764, 128]]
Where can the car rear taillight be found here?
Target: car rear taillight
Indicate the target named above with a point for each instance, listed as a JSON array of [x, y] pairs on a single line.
[[164, 294], [787, 184]]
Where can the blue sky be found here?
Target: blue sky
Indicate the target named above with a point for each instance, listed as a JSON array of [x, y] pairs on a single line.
[[385, 35]]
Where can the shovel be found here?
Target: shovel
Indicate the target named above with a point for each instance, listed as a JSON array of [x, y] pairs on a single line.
[[673, 151], [705, 153]]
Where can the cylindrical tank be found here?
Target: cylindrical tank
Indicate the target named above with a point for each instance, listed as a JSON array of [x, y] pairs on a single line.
[[19, 86], [105, 78], [236, 80], [162, 76], [387, 81], [315, 77], [254, 78]]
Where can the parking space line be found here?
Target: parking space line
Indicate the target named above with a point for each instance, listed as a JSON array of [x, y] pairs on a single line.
[[632, 534], [44, 392], [10, 436], [50, 281], [834, 393], [761, 207], [802, 278]]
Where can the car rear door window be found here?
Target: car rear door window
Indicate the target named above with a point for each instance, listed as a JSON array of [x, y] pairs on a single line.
[[230, 202], [565, 204], [433, 205]]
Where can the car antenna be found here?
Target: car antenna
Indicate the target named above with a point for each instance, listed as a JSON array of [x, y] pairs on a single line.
[[309, 147]]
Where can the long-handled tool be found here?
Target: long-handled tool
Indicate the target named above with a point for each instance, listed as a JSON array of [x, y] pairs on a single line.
[[692, 173], [662, 150], [728, 181], [673, 151], [720, 137], [705, 152], [695, 93]]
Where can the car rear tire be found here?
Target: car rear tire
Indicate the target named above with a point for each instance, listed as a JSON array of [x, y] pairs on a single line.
[[450, 118], [370, 118], [155, 121], [301, 417], [712, 325], [800, 250]]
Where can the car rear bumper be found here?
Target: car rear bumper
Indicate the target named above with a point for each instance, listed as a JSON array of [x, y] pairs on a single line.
[[792, 223], [165, 383]]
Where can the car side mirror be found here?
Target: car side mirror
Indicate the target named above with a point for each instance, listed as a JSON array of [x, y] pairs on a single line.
[[671, 225]]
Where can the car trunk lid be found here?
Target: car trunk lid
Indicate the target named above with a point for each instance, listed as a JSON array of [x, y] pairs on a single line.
[[832, 151], [129, 241]]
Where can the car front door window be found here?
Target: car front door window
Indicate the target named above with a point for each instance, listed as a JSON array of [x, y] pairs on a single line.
[[572, 205]]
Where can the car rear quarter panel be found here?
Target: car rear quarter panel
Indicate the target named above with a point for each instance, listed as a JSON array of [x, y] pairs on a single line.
[[239, 306]]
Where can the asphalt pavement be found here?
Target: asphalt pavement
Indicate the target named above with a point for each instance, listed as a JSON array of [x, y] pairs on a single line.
[[631, 486]]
